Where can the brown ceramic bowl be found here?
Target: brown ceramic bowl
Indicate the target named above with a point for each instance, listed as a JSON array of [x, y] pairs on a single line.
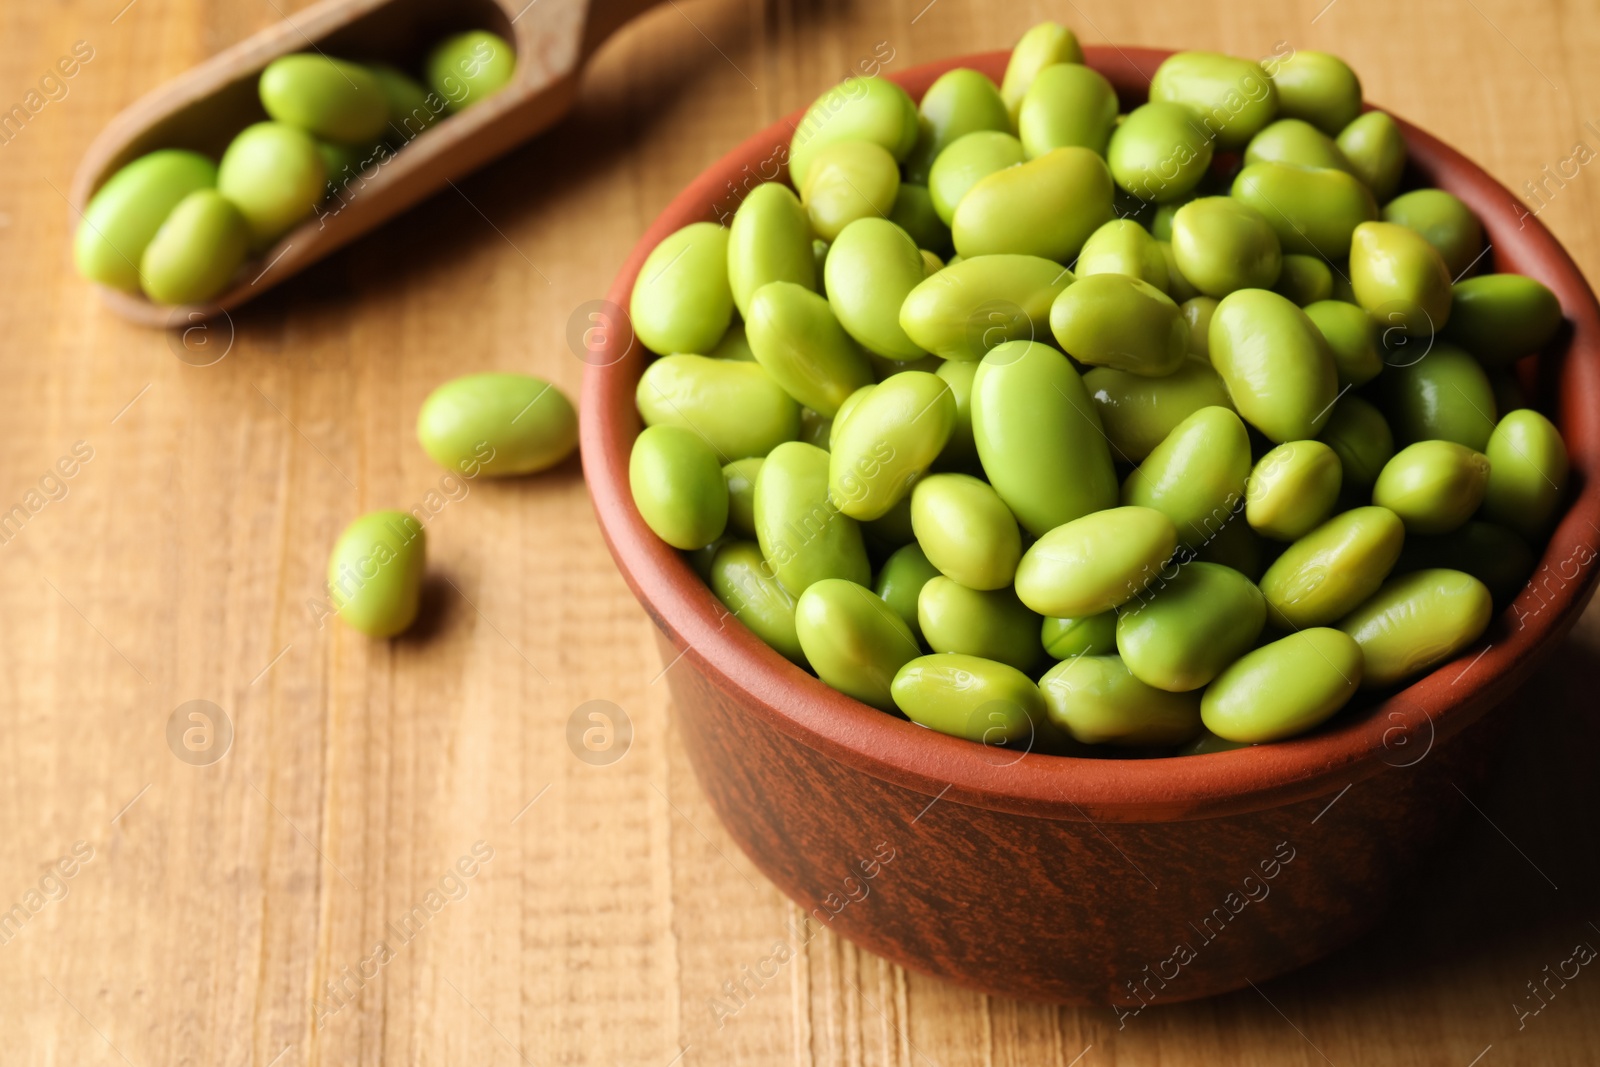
[[1095, 881]]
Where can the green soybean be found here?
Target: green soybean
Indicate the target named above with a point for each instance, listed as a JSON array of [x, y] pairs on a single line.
[[1122, 246], [966, 530], [857, 109], [1095, 563], [1235, 545], [961, 451], [959, 102], [497, 424], [849, 180], [853, 640], [1317, 87], [678, 486], [375, 572], [275, 177], [1305, 280], [1222, 245], [1041, 48], [815, 429], [1376, 150], [1444, 395], [797, 340], [968, 308], [1039, 438], [1137, 412], [801, 533], [1278, 368], [467, 68], [901, 579], [1231, 98], [734, 404], [328, 98], [1285, 688], [124, 214], [412, 108], [1197, 312], [1113, 320], [741, 477], [1097, 700], [1444, 222], [1494, 555], [1089, 635], [1330, 570], [197, 250], [1197, 476], [1177, 286], [744, 582], [1399, 278], [1313, 212], [970, 697], [1182, 635], [967, 161], [1159, 152], [1295, 142], [1417, 621], [873, 265], [1293, 490], [769, 241], [914, 213], [1502, 317], [992, 624], [682, 301], [1360, 436], [1045, 207], [893, 436], [1352, 337], [1068, 104], [1527, 474]]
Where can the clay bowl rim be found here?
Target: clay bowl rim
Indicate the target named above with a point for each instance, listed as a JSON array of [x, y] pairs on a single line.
[[1398, 732]]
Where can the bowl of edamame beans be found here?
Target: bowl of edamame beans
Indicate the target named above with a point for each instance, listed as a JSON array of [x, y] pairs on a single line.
[[1118, 485]]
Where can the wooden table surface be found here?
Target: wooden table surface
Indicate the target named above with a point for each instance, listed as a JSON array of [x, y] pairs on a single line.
[[301, 900]]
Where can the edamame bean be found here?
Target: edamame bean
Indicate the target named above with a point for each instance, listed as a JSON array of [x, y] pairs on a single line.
[[873, 265], [967, 161], [1445, 395], [123, 216], [1045, 207], [992, 624], [1159, 152], [799, 342], [1502, 317], [1417, 621], [959, 102], [1113, 320], [1177, 286], [857, 109], [1434, 486], [845, 409], [853, 640], [1042, 47], [1527, 474], [900, 582], [375, 572], [328, 98], [1305, 280], [734, 345], [1330, 570], [801, 533], [1038, 437], [1196, 477], [1285, 688], [961, 451], [1293, 490], [744, 582], [1295, 142], [1232, 98], [1494, 555], [1235, 545], [893, 436], [1138, 412], [849, 180], [966, 696], [497, 424], [966, 530], [1122, 246], [1197, 312], [1352, 337], [1444, 222], [1182, 633], [1222, 245], [735, 405], [1399, 278], [815, 429], [1360, 436], [913, 212], [970, 307], [769, 241], [1278, 368], [196, 252], [1376, 150], [1313, 212], [1098, 701], [678, 486], [1088, 635], [741, 477], [412, 108], [1095, 563], [274, 176], [682, 301], [469, 67], [1317, 87], [1068, 104]]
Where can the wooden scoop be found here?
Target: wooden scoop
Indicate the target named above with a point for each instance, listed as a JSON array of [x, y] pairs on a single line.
[[205, 107]]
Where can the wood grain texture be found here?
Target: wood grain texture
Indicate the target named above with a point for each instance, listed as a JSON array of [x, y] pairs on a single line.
[[177, 564]]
